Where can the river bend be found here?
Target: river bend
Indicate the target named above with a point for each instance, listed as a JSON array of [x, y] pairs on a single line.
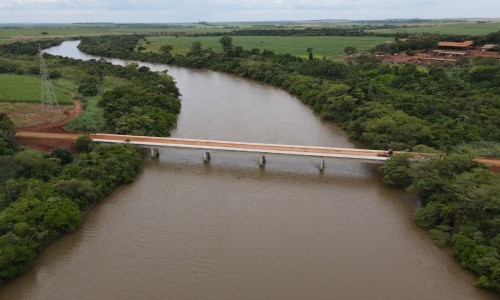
[[229, 230]]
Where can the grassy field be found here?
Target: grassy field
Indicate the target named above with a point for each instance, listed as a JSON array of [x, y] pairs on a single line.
[[331, 47], [24, 88], [467, 28], [68, 31], [8, 34]]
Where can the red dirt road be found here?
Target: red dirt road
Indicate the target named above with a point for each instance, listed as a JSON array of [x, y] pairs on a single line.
[[50, 136], [494, 164]]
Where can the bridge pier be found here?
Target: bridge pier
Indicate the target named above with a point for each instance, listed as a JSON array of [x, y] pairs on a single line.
[[322, 165], [152, 144], [155, 153], [262, 161], [206, 157]]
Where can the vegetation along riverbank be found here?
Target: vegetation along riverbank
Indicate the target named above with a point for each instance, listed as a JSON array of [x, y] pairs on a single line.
[[451, 109], [44, 194]]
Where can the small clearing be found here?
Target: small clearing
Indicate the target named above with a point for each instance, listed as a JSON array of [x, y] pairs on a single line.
[[37, 117]]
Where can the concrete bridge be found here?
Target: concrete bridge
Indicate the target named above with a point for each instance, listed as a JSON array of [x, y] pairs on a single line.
[[48, 141], [155, 143]]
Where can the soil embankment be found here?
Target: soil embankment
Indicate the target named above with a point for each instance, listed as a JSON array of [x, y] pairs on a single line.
[[56, 127], [47, 144]]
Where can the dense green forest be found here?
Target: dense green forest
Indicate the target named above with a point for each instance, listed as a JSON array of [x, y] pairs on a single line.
[[461, 208], [451, 109], [43, 194]]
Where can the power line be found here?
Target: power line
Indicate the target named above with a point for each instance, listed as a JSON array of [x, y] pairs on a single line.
[[47, 97]]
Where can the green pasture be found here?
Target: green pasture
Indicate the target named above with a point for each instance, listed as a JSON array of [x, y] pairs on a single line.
[[329, 46], [461, 28], [68, 31], [24, 88]]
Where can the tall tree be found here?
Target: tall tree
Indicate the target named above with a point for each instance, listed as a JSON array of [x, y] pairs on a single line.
[[227, 44], [350, 50], [166, 49], [195, 49], [7, 135], [310, 52]]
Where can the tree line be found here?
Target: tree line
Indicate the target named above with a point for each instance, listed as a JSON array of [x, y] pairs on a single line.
[[384, 106], [461, 208], [43, 194], [358, 30], [391, 106], [28, 47]]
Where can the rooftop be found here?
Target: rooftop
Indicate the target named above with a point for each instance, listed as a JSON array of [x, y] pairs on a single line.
[[464, 44], [450, 52], [489, 46]]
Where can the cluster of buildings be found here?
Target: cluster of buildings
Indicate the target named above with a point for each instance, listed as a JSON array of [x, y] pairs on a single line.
[[446, 52], [460, 49]]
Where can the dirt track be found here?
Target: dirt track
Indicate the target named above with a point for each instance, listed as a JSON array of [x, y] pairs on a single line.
[[494, 164]]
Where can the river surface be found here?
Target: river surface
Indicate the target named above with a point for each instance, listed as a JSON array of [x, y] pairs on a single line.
[[231, 230]]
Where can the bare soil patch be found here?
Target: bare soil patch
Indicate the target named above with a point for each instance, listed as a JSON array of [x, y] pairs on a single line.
[[493, 163], [429, 58], [37, 117]]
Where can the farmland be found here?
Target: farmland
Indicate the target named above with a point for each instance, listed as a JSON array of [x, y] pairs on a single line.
[[24, 88], [461, 28], [67, 30], [468, 27], [329, 46]]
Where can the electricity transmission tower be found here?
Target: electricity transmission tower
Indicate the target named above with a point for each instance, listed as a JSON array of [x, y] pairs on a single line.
[[48, 97]]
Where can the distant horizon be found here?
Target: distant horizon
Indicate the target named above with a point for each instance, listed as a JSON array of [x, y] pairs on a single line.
[[227, 11], [254, 21]]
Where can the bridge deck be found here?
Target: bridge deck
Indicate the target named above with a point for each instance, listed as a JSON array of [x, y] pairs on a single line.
[[155, 142]]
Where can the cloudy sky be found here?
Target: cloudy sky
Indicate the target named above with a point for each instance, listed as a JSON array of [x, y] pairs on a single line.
[[167, 11]]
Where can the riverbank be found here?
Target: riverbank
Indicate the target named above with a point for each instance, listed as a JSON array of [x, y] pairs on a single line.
[[232, 230], [43, 194], [384, 114]]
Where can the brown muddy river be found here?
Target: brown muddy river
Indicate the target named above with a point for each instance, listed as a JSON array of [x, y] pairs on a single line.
[[230, 230]]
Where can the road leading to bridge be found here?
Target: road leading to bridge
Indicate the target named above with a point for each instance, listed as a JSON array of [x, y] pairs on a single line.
[[158, 142]]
